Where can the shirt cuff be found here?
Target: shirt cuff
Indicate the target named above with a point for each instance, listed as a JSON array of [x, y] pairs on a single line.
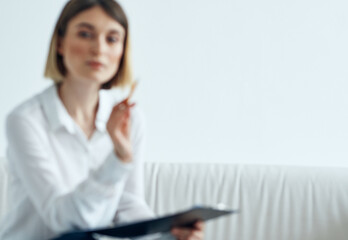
[[112, 170]]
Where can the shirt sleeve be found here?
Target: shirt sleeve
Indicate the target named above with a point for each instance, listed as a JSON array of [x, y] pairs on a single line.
[[91, 204], [133, 205]]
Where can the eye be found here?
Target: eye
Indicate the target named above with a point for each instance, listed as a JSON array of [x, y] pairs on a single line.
[[113, 39], [84, 34]]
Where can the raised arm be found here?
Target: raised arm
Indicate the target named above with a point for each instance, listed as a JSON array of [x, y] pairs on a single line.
[[92, 203]]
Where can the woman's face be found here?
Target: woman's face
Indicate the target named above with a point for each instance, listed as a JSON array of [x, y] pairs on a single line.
[[92, 47]]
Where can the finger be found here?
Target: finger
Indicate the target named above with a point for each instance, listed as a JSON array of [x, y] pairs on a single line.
[[131, 105], [126, 113], [124, 102], [195, 233], [198, 232], [181, 233], [127, 128], [120, 115], [123, 105], [199, 225]]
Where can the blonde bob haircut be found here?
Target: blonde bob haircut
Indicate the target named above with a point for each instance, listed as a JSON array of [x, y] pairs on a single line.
[[55, 68]]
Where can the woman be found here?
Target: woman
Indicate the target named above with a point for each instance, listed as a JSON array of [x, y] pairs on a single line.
[[74, 156]]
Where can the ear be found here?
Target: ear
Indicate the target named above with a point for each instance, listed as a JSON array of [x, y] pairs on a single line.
[[60, 46]]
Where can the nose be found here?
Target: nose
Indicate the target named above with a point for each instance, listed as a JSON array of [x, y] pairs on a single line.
[[98, 46]]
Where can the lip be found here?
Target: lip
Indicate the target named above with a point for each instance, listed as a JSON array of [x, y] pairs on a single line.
[[95, 64]]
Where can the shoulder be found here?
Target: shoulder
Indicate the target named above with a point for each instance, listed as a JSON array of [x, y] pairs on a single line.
[[29, 110], [26, 108]]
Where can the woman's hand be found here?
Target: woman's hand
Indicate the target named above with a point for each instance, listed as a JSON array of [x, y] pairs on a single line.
[[118, 127], [194, 233]]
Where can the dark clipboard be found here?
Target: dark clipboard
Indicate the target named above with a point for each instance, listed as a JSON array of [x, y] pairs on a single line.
[[158, 225]]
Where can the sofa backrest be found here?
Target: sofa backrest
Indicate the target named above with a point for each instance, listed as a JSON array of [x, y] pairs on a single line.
[[276, 202]]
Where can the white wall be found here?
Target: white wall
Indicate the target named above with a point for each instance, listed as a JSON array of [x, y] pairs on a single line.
[[242, 81]]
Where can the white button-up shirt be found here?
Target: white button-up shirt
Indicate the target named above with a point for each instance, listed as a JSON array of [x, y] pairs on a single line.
[[60, 180]]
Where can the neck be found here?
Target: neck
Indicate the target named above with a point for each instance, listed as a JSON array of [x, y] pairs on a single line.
[[81, 102]]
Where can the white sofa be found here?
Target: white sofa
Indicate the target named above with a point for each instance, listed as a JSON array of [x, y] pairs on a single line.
[[276, 202]]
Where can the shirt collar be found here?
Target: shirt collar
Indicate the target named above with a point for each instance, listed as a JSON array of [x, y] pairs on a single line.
[[55, 111], [58, 116]]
